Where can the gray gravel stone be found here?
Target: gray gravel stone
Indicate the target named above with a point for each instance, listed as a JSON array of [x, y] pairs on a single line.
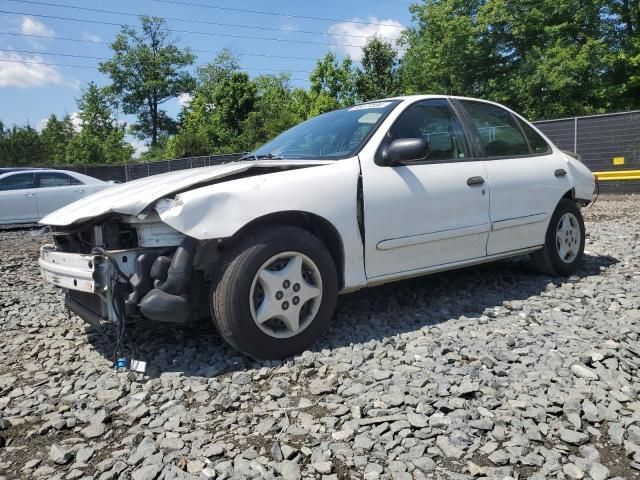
[[598, 472], [573, 437], [93, 430], [60, 455], [149, 472], [290, 471], [491, 371]]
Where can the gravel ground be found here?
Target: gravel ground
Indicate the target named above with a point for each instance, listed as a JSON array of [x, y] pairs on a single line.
[[490, 371]]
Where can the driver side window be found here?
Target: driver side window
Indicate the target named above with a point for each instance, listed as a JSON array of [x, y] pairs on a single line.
[[437, 124], [17, 181]]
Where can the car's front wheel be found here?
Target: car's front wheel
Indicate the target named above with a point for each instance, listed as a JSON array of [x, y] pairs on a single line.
[[564, 242], [276, 293]]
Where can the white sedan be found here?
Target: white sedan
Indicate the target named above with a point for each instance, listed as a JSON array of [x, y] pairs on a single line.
[[27, 195], [356, 197]]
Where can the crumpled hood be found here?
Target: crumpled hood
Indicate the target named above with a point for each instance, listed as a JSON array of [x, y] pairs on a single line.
[[133, 197]]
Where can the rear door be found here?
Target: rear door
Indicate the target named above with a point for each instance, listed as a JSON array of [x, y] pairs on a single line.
[[55, 190], [18, 198], [526, 177]]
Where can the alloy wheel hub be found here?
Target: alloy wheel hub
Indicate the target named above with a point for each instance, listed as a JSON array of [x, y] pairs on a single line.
[[285, 295]]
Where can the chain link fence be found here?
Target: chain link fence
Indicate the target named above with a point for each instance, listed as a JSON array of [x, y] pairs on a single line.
[[128, 172], [605, 143]]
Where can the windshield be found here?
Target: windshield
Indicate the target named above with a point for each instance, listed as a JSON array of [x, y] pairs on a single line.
[[334, 135]]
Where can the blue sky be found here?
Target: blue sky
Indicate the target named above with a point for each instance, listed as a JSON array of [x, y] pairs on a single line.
[[29, 92]]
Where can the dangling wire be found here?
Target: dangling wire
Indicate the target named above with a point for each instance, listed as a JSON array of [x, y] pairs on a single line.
[[117, 280]]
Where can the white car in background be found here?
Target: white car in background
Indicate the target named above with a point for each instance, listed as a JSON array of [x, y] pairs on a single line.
[[357, 197], [27, 195]]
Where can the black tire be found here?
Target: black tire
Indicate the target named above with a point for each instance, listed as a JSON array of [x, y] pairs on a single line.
[[547, 260], [230, 302]]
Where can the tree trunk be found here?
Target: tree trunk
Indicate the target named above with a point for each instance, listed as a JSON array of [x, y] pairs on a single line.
[[154, 123], [626, 16]]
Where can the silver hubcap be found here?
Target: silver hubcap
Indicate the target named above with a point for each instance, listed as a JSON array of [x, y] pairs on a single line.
[[568, 238], [286, 294]]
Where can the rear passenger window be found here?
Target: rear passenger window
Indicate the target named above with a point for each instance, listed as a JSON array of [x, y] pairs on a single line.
[[55, 179], [536, 142], [499, 132]]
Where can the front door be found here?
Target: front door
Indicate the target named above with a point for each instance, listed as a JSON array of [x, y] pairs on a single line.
[[18, 198], [425, 213], [525, 174]]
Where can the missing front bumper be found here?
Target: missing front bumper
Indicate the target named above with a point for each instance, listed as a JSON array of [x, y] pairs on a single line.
[[121, 285], [84, 273], [92, 308]]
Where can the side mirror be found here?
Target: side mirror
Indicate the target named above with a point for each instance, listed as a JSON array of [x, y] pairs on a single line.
[[405, 150]]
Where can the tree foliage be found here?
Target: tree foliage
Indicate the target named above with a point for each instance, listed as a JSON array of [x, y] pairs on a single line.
[[55, 137], [544, 58], [147, 70], [378, 77], [99, 140]]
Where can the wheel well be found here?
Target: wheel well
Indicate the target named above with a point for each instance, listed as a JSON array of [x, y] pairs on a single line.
[[571, 194], [314, 224]]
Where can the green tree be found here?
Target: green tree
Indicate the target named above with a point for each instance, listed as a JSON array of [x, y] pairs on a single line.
[[546, 58], [274, 111], [55, 136], [22, 146], [447, 50], [95, 110], [378, 77], [148, 69], [332, 84], [101, 139], [624, 34], [213, 120]]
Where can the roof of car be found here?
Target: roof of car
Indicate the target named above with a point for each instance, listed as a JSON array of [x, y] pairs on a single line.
[[86, 178], [414, 98], [17, 169], [425, 97]]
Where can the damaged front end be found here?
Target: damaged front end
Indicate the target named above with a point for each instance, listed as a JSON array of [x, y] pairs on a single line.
[[125, 269]]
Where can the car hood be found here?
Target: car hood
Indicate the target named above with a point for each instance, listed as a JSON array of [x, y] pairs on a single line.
[[134, 197]]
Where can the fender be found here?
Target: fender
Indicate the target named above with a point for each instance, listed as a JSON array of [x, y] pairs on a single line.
[[223, 209]]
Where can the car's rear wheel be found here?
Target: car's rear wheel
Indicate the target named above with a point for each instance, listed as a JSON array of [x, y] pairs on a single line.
[[276, 293], [564, 241]]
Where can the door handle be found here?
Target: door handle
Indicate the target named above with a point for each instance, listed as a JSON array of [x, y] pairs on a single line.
[[475, 181], [29, 194], [561, 172], [80, 190]]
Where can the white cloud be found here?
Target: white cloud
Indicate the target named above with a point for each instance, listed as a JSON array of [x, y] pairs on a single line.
[[184, 99], [289, 26], [25, 72], [90, 37], [75, 121], [389, 29], [41, 124], [31, 26]]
